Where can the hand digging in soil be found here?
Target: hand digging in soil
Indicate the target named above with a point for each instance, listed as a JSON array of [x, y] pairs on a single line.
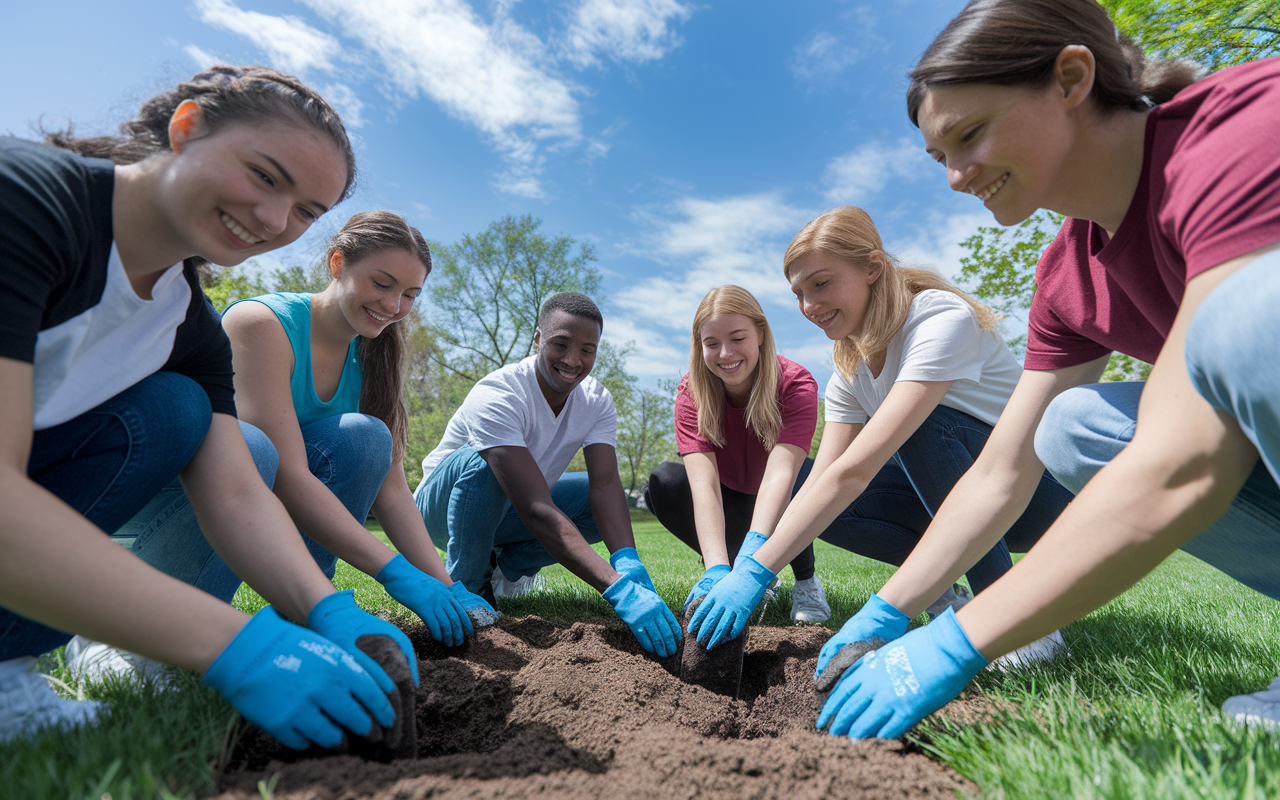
[[844, 658], [401, 739], [718, 670]]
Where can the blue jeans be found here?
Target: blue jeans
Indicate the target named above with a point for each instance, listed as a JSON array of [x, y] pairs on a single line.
[[469, 515], [887, 520], [1230, 356], [106, 464], [349, 453]]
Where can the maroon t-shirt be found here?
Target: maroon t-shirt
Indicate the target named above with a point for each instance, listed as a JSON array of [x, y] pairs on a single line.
[[742, 459], [1209, 192]]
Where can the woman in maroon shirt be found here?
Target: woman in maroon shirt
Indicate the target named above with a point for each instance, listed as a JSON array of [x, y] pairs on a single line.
[[1172, 187], [745, 418]]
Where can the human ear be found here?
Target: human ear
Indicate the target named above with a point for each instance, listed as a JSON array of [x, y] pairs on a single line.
[[335, 263], [187, 123], [1073, 73], [537, 338], [876, 268]]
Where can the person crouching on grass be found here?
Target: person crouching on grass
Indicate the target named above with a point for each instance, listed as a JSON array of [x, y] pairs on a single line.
[[921, 377], [1172, 189], [115, 377], [495, 495], [320, 374], [745, 419]]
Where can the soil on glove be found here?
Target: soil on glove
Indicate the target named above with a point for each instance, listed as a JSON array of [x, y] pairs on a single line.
[[527, 708]]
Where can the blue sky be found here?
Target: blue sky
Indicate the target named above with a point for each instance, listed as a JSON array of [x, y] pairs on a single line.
[[687, 141]]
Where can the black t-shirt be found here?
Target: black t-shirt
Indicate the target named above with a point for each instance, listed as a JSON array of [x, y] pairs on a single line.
[[66, 304]]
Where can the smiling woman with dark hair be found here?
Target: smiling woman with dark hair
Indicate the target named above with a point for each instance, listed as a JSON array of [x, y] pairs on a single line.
[[1172, 189]]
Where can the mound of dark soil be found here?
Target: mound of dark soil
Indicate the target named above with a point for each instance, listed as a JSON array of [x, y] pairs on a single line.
[[527, 708]]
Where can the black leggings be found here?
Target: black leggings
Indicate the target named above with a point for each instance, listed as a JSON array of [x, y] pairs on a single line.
[[671, 500]]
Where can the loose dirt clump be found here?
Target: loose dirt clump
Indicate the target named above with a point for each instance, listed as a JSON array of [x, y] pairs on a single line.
[[527, 708]]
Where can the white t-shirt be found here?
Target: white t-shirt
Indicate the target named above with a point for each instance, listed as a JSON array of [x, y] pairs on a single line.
[[940, 341], [507, 409]]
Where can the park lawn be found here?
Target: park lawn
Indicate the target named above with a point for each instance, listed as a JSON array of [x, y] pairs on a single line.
[[1131, 713]]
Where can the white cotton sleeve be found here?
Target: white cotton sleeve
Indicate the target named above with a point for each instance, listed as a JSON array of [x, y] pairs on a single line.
[[841, 404], [941, 340], [494, 417]]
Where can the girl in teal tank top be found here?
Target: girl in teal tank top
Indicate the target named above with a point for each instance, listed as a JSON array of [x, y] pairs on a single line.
[[321, 375]]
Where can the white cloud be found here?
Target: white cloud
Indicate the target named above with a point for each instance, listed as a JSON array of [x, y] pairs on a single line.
[[855, 177], [655, 353], [346, 103], [823, 57], [491, 76], [623, 30], [937, 243], [203, 58], [289, 43]]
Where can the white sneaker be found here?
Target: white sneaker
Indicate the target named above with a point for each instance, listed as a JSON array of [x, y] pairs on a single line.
[[517, 588], [28, 703], [809, 601], [954, 597], [1040, 650], [94, 661], [1260, 708]]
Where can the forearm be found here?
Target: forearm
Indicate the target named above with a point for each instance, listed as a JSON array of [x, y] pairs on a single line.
[[981, 507], [318, 511], [400, 518], [814, 509], [61, 570], [1122, 525], [613, 518], [771, 502], [564, 542]]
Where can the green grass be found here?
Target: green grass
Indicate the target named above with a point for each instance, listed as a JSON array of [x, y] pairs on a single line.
[[1131, 713]]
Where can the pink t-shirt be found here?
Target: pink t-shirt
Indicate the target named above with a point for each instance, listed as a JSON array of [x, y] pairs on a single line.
[[1209, 192], [742, 459]]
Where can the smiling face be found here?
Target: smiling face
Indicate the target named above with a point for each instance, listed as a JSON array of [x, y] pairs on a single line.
[[246, 189], [731, 351], [833, 293], [378, 289], [1007, 146], [566, 346]]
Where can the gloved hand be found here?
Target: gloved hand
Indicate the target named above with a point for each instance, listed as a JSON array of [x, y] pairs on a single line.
[[709, 578], [480, 612], [904, 681], [297, 685], [427, 597], [653, 624], [875, 620], [626, 562], [728, 606], [750, 545], [338, 618]]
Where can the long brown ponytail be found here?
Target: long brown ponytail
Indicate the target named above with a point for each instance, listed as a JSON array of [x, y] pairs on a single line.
[[382, 358]]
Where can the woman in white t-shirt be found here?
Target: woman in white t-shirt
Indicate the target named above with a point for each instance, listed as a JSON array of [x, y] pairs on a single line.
[[922, 377]]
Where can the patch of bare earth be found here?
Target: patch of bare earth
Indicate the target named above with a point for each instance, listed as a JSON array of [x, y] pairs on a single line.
[[529, 709]]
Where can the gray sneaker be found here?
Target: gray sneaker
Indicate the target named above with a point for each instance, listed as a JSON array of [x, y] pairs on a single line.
[[28, 703], [954, 597], [1260, 708], [809, 601], [517, 588]]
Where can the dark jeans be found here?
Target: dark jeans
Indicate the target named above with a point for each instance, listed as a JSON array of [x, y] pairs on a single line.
[[107, 464], [892, 513], [671, 500]]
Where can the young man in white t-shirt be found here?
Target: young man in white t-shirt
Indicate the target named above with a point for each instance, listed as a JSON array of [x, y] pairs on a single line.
[[494, 492]]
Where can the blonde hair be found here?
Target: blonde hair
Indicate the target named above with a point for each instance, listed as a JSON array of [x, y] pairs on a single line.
[[849, 234], [763, 413]]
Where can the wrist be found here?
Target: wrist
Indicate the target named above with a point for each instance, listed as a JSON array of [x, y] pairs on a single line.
[[753, 569]]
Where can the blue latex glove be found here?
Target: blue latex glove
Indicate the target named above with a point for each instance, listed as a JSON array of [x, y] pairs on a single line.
[[750, 545], [903, 682], [876, 619], [477, 608], [338, 618], [728, 606], [653, 624], [709, 578], [297, 685], [626, 562], [427, 597]]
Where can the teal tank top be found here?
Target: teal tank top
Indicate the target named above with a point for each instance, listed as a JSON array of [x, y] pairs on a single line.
[[293, 309]]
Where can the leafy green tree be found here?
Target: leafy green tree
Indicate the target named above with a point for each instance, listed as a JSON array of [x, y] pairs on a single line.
[[1215, 33], [646, 434], [486, 291]]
